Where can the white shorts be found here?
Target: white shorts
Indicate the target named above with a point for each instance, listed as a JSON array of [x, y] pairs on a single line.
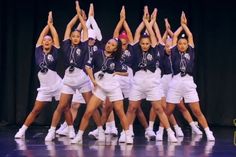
[[108, 87], [78, 98], [77, 80], [125, 82], [182, 87], [50, 86], [165, 81], [146, 85]]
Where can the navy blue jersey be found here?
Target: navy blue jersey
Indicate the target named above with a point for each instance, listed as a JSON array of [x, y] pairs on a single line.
[[149, 60], [127, 56], [45, 61], [92, 49], [75, 56], [182, 62], [100, 62], [166, 65]]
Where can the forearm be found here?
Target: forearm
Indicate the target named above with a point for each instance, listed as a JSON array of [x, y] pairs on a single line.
[[121, 73], [128, 31], [89, 71], [118, 28]]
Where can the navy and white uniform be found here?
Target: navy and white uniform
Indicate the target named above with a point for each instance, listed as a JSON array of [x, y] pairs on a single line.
[[167, 73], [75, 78], [103, 68], [50, 81], [146, 82], [182, 84], [77, 97], [127, 58]]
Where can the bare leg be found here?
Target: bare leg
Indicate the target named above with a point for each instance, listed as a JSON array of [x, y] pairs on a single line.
[[96, 114], [38, 106], [91, 107]]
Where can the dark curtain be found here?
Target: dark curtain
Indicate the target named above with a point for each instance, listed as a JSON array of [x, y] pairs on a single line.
[[212, 24]]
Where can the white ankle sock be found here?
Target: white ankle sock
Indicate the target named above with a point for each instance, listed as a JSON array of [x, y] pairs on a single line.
[[151, 124]]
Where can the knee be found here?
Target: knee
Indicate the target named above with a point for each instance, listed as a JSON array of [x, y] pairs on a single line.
[[132, 109], [35, 111], [75, 106]]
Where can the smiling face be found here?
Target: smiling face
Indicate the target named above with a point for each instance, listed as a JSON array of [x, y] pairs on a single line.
[[47, 42], [182, 44], [111, 46], [145, 44], [75, 37]]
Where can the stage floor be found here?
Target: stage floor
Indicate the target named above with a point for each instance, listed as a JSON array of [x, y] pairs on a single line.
[[190, 145]]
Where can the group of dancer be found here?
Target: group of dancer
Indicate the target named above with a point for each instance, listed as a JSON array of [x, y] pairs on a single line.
[[146, 66]]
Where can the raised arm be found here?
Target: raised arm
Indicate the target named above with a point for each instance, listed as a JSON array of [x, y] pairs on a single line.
[[176, 34], [129, 33], [41, 36], [168, 28], [53, 31], [156, 28], [186, 29], [138, 32], [150, 31], [120, 23], [69, 27], [83, 23]]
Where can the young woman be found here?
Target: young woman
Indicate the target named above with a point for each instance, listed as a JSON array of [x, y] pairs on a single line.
[[167, 73], [104, 65], [50, 82], [182, 84], [126, 82], [147, 74], [94, 43], [76, 54]]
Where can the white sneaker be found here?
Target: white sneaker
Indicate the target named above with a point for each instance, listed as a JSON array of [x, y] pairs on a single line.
[[122, 138], [78, 139], [71, 132], [179, 132], [64, 132], [20, 134], [62, 127], [93, 134], [171, 137], [196, 130], [150, 135], [159, 135], [101, 136], [50, 136], [131, 132], [129, 139], [210, 136], [114, 131], [108, 131]]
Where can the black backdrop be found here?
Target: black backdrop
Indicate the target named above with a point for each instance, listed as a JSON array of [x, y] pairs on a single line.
[[212, 23]]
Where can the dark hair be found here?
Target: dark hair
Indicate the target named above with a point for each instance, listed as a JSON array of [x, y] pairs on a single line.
[[117, 54], [182, 36], [76, 30], [144, 35]]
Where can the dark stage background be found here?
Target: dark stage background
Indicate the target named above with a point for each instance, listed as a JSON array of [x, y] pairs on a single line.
[[212, 23]]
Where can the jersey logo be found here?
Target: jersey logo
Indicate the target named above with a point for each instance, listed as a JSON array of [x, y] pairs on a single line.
[[127, 53], [149, 57], [112, 66], [50, 58], [78, 51], [95, 48], [187, 56]]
